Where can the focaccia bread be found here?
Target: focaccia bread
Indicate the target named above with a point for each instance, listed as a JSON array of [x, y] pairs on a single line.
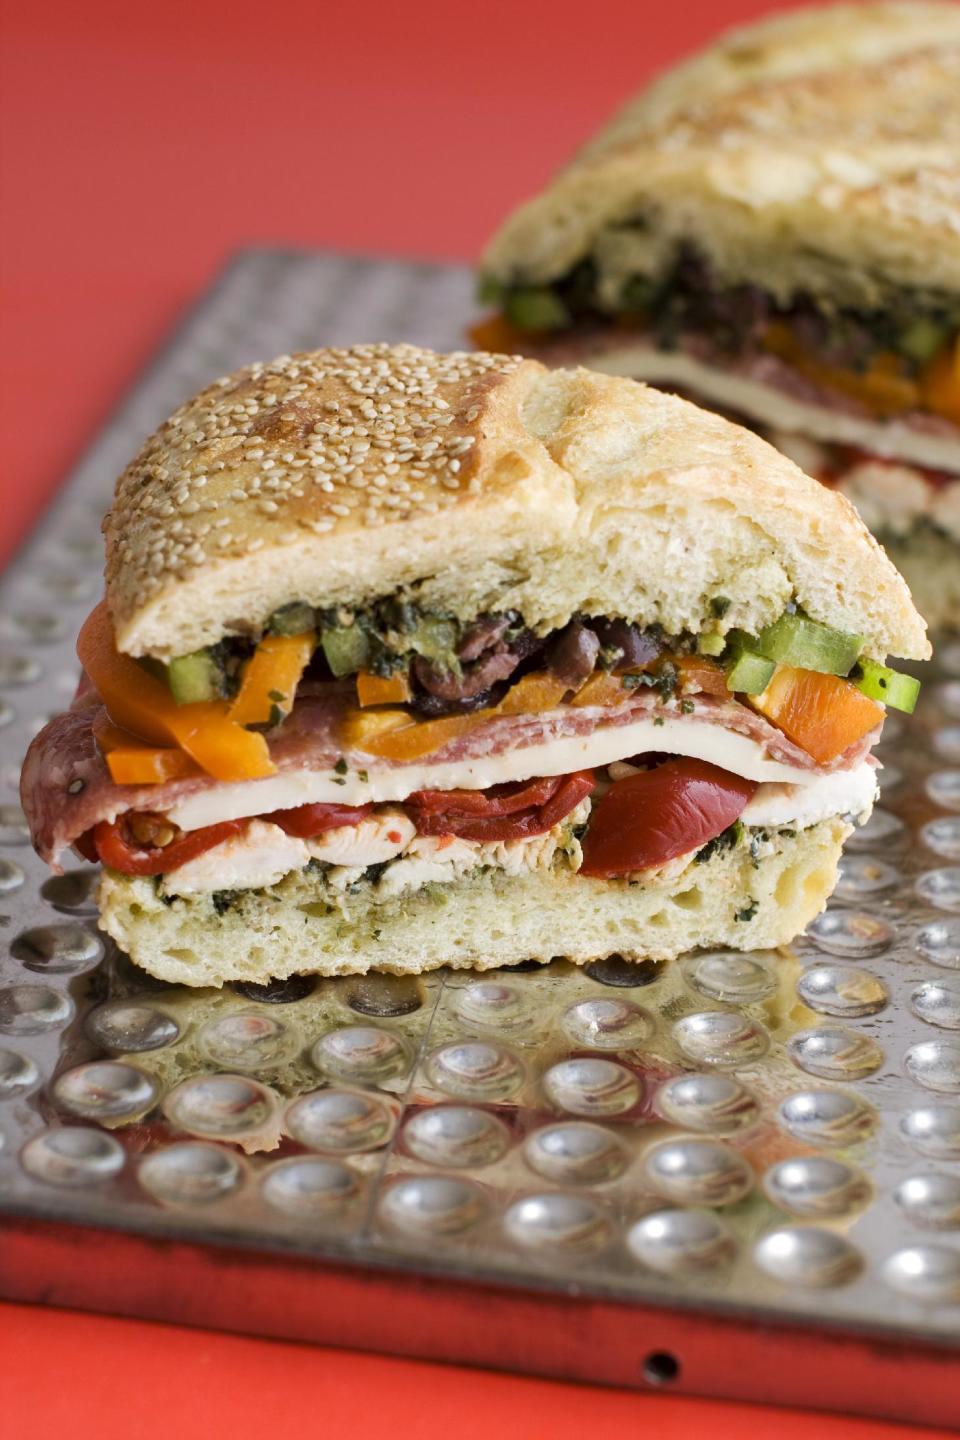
[[411, 659], [477, 483], [773, 228]]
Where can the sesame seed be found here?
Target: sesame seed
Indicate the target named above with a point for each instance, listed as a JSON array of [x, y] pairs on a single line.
[[376, 429]]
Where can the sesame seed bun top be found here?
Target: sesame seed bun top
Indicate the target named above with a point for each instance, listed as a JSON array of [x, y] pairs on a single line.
[[477, 482]]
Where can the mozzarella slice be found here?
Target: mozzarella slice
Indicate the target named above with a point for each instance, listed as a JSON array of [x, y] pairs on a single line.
[[847, 792], [731, 751]]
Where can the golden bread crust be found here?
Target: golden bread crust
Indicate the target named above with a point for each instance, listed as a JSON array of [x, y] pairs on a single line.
[[489, 484], [817, 151]]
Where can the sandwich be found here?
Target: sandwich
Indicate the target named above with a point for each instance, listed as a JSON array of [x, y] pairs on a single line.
[[773, 229], [410, 660]]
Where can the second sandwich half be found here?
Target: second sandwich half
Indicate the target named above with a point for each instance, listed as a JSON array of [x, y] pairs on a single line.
[[411, 659]]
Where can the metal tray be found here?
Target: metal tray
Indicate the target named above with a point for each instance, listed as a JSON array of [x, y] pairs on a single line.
[[733, 1175]]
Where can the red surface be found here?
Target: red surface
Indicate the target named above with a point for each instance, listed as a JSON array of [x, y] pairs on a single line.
[[67, 1375], [140, 146]]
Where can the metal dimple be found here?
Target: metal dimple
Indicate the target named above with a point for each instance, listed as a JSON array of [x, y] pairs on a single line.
[[560, 1223], [947, 696], [360, 1055], [129, 1026], [72, 892], [681, 1242], [940, 888], [277, 992], [715, 1104], [494, 1005], [842, 990], [341, 1120], [432, 1206], [247, 1041], [459, 1136], [18, 1074], [833, 1052], [624, 974], [861, 877], [475, 1070], [933, 1131], [942, 836], [18, 670], [11, 877], [722, 1038], [73, 1155], [592, 1087], [883, 830], [925, 1272], [220, 1107], [69, 587], [939, 943], [938, 1003], [608, 1023], [850, 934], [827, 1117], [808, 1256], [932, 1201], [889, 779], [935, 1064], [385, 996], [575, 1152], [946, 742], [309, 1187], [816, 1186], [106, 1090], [57, 949], [41, 627], [14, 829], [698, 1172], [943, 788], [730, 977], [33, 1009], [190, 1172]]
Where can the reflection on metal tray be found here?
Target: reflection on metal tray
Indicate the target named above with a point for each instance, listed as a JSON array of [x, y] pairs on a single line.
[[739, 1174]]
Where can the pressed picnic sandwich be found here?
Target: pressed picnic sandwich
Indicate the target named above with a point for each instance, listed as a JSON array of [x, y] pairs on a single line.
[[773, 228], [410, 659]]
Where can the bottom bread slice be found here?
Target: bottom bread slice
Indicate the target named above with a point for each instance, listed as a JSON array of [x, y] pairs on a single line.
[[756, 894]]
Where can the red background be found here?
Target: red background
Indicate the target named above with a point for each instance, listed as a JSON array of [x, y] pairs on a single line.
[[141, 145]]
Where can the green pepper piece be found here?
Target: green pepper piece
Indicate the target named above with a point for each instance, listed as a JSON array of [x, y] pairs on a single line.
[[890, 687], [808, 645], [750, 674], [536, 309]]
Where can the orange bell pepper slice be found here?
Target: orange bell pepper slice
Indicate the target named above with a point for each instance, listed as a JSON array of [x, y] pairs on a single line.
[[270, 678], [142, 704], [883, 387], [940, 382], [698, 672], [603, 688], [823, 714], [534, 692], [383, 689], [133, 762], [497, 335]]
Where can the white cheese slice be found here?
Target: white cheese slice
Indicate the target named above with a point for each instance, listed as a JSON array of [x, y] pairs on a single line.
[[845, 792], [737, 753]]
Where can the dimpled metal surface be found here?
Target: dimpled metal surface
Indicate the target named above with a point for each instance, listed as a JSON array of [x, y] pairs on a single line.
[[776, 1133]]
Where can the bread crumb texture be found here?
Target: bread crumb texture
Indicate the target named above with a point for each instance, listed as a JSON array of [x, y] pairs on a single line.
[[485, 921], [472, 483]]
